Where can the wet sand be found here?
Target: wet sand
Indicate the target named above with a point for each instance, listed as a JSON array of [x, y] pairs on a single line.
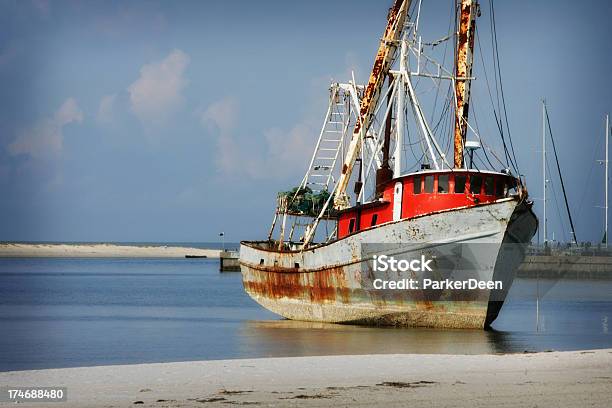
[[554, 379], [18, 250]]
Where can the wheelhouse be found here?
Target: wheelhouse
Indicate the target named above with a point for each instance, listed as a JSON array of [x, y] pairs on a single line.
[[424, 193]]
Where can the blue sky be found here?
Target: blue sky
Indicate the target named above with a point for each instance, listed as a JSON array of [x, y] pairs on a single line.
[[172, 121]]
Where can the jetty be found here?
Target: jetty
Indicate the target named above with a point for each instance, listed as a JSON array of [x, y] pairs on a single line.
[[229, 261]]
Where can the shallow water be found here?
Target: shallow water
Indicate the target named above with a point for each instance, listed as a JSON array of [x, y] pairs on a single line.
[[84, 312]]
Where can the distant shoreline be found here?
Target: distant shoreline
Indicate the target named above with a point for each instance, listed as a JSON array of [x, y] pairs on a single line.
[[553, 379], [101, 250]]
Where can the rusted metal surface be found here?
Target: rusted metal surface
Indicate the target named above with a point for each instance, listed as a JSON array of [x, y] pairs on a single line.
[[463, 71], [382, 63], [329, 283], [325, 285]]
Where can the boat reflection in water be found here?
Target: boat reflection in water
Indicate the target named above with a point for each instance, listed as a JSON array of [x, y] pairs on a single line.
[[297, 338], [573, 315]]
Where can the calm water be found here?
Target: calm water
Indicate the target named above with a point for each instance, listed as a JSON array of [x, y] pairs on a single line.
[[83, 312]]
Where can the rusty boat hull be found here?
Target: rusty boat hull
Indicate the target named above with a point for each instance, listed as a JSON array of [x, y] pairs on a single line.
[[333, 282]]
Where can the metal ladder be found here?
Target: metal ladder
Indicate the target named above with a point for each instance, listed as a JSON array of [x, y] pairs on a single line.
[[330, 146]]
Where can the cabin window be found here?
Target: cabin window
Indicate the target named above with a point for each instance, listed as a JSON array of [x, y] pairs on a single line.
[[351, 225], [475, 184], [417, 184], [460, 180], [443, 183], [489, 185], [512, 189], [296, 265], [429, 184], [500, 187], [374, 219]]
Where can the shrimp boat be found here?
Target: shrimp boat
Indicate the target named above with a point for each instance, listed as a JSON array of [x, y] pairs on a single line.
[[473, 221]]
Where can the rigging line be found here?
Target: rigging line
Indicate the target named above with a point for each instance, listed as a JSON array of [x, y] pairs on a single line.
[[448, 131], [569, 214], [449, 125], [492, 152], [445, 108], [486, 146], [484, 67], [409, 144], [497, 121], [450, 34], [417, 142], [493, 54], [480, 159], [445, 131], [501, 132], [441, 122], [554, 191], [443, 114], [475, 165], [588, 181], [417, 161], [420, 142], [501, 87], [481, 141], [412, 144], [424, 126], [423, 149]]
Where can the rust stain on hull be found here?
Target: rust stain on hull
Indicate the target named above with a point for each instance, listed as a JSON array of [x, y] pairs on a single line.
[[322, 286]]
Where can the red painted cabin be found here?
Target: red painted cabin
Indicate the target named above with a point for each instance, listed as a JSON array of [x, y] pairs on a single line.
[[427, 192]]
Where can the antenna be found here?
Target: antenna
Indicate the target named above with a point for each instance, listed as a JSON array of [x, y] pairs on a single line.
[[471, 146]]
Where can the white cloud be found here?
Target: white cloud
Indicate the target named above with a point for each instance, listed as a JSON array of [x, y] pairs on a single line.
[[274, 153], [221, 114], [106, 109], [220, 117], [156, 94], [46, 137], [279, 154], [68, 112]]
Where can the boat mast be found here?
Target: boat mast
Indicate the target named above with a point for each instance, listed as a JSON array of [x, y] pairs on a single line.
[[399, 120], [607, 176], [544, 164], [382, 63], [463, 72]]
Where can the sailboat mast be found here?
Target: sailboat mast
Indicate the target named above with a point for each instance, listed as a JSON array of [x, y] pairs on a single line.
[[544, 164], [607, 176], [463, 71]]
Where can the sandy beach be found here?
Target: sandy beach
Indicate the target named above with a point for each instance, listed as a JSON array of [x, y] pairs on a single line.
[[19, 250], [553, 379]]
